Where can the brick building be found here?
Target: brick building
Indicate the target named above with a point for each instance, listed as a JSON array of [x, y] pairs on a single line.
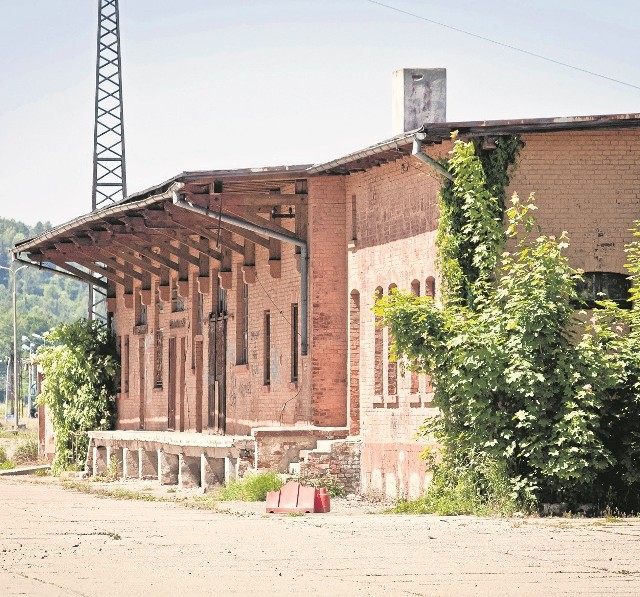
[[241, 300]]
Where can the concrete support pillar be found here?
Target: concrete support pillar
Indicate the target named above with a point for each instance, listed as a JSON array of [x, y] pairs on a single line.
[[148, 464], [212, 471], [130, 463], [99, 460], [168, 468], [230, 469], [189, 474]]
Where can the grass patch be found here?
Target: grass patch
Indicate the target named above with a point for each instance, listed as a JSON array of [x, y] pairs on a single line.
[[5, 463], [483, 490], [252, 488], [117, 493]]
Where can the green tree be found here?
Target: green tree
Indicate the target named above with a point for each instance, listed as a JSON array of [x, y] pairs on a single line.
[[80, 367]]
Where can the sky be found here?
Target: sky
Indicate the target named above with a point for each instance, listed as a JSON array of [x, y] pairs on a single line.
[[210, 84]]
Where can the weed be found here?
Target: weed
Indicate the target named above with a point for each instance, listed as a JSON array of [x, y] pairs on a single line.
[[252, 488], [117, 493], [6, 465], [171, 490], [202, 503], [327, 480], [43, 472], [26, 452], [110, 473], [484, 490]]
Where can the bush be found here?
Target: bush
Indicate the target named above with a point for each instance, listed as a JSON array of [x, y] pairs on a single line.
[[26, 452], [5, 463], [252, 488], [81, 366], [328, 481]]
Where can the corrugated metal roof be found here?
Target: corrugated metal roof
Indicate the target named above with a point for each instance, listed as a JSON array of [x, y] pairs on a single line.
[[397, 147]]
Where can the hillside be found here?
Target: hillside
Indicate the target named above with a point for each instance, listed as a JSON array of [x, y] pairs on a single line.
[[44, 299]]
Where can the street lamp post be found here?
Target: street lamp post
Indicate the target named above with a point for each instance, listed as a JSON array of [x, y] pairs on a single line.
[[13, 273]]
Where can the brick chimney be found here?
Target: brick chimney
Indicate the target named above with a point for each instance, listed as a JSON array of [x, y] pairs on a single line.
[[419, 96]]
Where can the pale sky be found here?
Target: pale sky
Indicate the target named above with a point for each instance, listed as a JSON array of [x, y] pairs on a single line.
[[211, 84]]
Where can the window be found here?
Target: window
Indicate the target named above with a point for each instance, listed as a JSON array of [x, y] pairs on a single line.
[[158, 360], [222, 300], [430, 287], [200, 313], [140, 309], [177, 302], [392, 366], [354, 221], [125, 365], [598, 286], [267, 348], [294, 342], [242, 323], [377, 351]]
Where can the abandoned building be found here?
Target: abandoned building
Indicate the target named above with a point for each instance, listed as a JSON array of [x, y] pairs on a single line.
[[241, 300]]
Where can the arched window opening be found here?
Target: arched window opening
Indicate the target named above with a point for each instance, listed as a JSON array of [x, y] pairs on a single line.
[[377, 350], [430, 287], [354, 362], [392, 366]]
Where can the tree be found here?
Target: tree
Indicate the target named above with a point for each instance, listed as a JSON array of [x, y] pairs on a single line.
[[80, 368]]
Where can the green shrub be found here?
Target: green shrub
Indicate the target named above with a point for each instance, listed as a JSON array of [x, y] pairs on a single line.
[[328, 481], [481, 489], [26, 452], [5, 463], [252, 488], [81, 366]]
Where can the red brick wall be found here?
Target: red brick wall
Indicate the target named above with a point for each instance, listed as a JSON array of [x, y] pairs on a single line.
[[249, 402], [585, 183], [328, 300], [396, 219]]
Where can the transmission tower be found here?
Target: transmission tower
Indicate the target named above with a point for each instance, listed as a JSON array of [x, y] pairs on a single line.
[[109, 172]]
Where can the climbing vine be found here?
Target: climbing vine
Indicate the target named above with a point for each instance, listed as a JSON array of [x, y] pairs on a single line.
[[529, 400], [80, 367], [472, 204]]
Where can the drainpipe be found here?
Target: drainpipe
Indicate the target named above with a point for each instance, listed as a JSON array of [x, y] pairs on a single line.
[[60, 272], [417, 152], [304, 292]]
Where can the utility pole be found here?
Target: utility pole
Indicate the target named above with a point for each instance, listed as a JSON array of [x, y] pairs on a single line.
[[109, 172], [16, 385]]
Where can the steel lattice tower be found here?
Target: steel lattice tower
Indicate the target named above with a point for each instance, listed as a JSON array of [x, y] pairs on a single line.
[[109, 172]]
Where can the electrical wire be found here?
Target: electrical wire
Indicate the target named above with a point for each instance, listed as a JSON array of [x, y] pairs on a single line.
[[504, 45]]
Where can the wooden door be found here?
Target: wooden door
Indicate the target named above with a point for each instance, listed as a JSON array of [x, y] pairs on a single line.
[[217, 404]]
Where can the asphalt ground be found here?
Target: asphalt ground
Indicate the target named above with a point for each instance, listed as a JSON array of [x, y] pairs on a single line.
[[55, 541]]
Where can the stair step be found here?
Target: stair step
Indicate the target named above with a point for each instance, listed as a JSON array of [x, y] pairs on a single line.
[[304, 454], [324, 445], [294, 469]]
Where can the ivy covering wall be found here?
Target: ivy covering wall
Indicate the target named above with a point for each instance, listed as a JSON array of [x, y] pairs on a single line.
[[535, 406]]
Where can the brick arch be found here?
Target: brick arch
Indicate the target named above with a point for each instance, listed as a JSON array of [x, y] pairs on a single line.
[[415, 287]]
